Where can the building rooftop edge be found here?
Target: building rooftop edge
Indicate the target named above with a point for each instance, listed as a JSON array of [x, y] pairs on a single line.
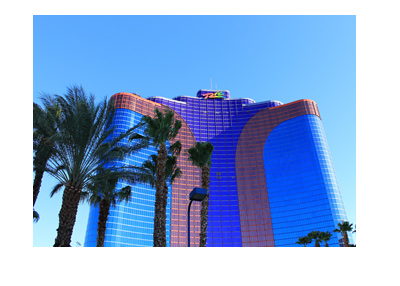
[[182, 102], [169, 99]]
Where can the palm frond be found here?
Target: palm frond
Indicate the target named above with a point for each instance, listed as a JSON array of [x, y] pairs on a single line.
[[175, 148], [125, 194], [316, 235], [36, 216], [344, 227], [200, 154], [56, 189], [177, 174], [162, 127]]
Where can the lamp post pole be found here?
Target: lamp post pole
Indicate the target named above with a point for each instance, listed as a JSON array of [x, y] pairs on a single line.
[[198, 194], [189, 222]]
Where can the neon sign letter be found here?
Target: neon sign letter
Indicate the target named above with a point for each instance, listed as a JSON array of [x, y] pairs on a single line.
[[218, 94]]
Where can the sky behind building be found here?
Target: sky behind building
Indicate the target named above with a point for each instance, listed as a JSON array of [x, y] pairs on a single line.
[[282, 58]]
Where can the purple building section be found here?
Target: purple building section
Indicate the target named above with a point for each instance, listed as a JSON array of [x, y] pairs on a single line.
[[219, 121]]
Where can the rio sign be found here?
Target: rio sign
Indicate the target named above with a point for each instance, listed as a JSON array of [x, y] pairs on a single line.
[[218, 94]]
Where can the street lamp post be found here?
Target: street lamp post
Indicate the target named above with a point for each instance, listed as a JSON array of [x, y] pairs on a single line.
[[198, 194]]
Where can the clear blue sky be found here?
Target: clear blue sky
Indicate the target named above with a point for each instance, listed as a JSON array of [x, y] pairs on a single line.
[[285, 58]]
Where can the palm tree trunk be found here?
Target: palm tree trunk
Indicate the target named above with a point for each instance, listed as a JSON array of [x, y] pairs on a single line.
[[39, 162], [205, 182], [101, 226], [159, 234], [37, 183], [165, 196], [164, 207], [326, 244], [67, 216], [345, 239], [317, 244]]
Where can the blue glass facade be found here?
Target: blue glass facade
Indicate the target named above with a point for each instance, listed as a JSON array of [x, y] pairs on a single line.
[[302, 188]]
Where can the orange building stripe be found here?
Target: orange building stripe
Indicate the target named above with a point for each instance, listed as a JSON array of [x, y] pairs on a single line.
[[255, 214]]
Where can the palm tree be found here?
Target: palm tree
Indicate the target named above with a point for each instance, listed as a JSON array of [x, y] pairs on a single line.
[[160, 129], [200, 156], [86, 143], [316, 235], [103, 191], [326, 236], [44, 135], [147, 173], [344, 228], [304, 240]]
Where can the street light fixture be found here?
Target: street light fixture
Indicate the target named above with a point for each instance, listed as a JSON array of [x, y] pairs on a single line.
[[198, 194]]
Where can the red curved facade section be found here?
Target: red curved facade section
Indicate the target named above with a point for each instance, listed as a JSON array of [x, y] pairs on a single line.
[[255, 214], [190, 178]]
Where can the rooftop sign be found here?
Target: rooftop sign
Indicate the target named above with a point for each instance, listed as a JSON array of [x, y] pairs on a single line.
[[213, 94]]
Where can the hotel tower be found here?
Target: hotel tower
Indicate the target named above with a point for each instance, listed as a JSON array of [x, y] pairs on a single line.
[[272, 179]]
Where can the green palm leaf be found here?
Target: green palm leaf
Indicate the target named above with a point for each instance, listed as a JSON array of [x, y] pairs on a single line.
[[36, 216]]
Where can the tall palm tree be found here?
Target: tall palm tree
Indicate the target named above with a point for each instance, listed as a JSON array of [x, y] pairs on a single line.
[[344, 228], [326, 236], [103, 191], [200, 156], [316, 235], [147, 173], [44, 135], [304, 240], [160, 129], [86, 143]]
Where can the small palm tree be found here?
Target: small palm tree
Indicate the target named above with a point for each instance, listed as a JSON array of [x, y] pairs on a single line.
[[160, 129], [83, 147], [343, 229], [200, 156], [44, 135], [304, 240], [326, 236], [316, 235], [103, 191]]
